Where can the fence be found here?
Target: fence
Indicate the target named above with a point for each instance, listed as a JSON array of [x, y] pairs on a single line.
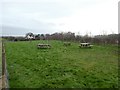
[[5, 83]]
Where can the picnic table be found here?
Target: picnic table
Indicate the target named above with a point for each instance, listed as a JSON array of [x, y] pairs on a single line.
[[85, 45], [44, 46]]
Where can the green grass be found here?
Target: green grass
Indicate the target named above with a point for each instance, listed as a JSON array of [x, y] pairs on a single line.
[[60, 66]]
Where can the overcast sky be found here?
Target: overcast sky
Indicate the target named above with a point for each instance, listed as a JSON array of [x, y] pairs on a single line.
[[49, 16]]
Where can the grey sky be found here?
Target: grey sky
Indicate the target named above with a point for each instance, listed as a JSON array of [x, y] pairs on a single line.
[[49, 16]]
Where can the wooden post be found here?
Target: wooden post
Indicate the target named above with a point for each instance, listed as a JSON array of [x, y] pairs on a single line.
[[4, 70], [3, 60], [3, 67]]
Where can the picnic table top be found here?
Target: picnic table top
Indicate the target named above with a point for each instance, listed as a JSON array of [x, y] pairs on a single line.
[[43, 44], [84, 43]]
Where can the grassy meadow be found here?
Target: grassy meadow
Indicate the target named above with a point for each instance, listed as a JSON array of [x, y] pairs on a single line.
[[60, 66]]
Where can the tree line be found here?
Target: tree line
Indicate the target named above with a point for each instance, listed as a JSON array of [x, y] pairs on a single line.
[[68, 36]]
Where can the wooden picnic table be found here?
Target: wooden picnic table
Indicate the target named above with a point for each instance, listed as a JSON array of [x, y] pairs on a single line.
[[44, 46], [85, 45]]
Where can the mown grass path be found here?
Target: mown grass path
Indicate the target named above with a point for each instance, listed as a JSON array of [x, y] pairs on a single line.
[[60, 66]]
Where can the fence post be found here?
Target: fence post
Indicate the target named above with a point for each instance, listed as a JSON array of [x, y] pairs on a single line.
[[5, 84]]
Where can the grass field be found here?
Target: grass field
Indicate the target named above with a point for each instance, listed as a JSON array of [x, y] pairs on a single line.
[[60, 66]]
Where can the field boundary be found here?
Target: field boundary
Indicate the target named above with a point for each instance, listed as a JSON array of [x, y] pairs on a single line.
[[5, 80]]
